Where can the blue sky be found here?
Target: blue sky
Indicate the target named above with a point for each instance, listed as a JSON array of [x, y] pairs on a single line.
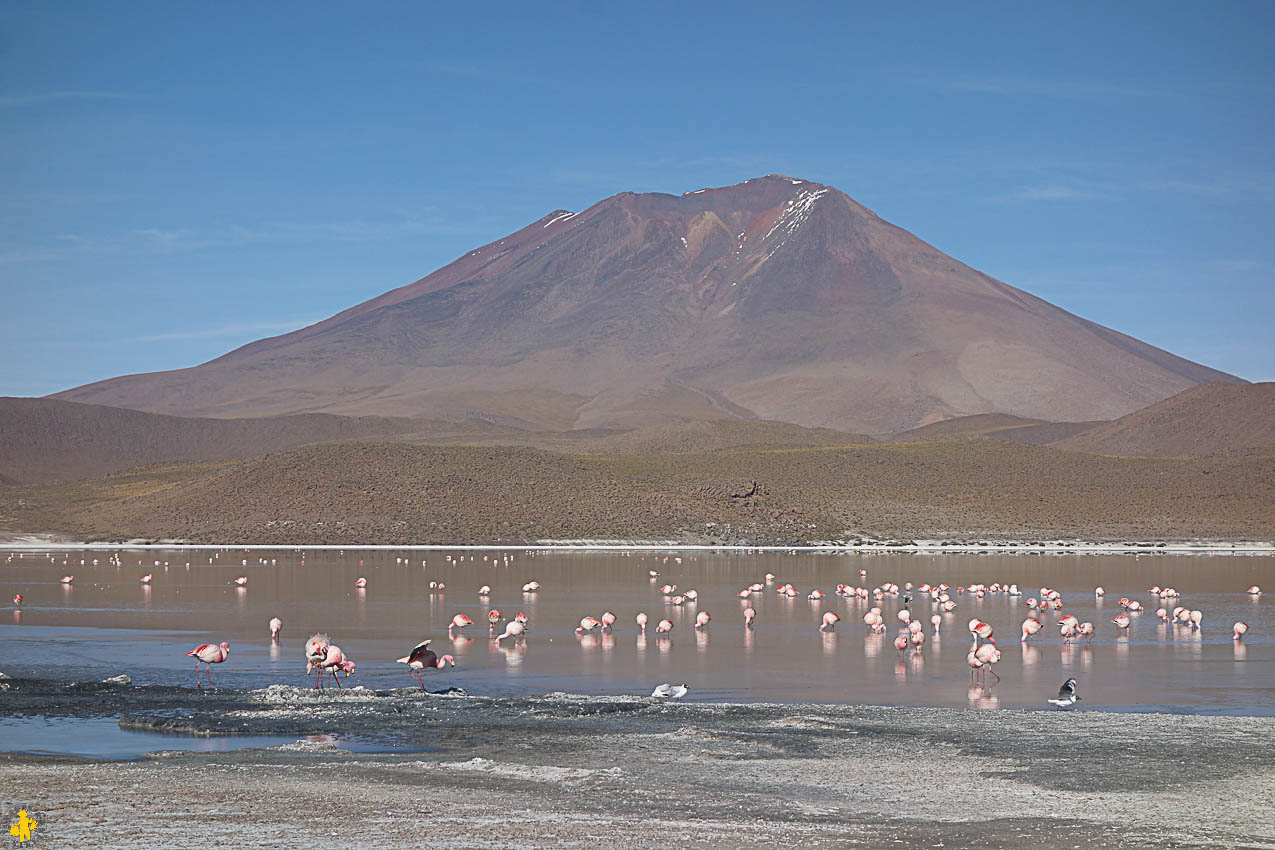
[[180, 179]]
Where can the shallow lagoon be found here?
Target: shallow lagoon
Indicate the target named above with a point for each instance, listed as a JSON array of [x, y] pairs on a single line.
[[107, 623]]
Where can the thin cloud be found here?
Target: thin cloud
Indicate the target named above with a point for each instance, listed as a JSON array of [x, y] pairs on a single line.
[[1055, 193], [232, 329], [35, 98], [1021, 86]]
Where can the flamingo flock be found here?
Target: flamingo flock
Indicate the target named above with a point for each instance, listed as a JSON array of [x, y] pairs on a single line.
[[326, 661]]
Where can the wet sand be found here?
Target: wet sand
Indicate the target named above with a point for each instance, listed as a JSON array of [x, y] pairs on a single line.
[[562, 770]]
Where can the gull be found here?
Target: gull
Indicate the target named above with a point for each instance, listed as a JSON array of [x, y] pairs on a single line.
[[667, 691], [1066, 695]]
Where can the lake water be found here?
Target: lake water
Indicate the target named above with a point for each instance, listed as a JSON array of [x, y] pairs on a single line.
[[107, 623]]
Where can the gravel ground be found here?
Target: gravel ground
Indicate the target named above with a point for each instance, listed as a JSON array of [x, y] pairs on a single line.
[[564, 770]]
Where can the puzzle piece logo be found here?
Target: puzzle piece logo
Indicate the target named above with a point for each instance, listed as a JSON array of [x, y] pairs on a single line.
[[23, 827]]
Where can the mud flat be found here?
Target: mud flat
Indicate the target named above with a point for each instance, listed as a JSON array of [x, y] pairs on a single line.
[[566, 770]]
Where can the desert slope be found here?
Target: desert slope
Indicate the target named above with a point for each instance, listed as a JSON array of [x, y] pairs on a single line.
[[1206, 419]]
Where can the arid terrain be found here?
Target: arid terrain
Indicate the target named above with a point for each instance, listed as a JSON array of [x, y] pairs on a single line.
[[411, 493]]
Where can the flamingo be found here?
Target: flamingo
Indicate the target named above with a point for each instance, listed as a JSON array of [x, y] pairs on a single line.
[[1240, 629], [276, 626], [1085, 630], [588, 624], [744, 594], [241, 581], [701, 620], [512, 630], [918, 638], [531, 587], [1254, 591], [1122, 622], [146, 579], [17, 599], [422, 657], [989, 655], [316, 650], [485, 590], [664, 627], [333, 662], [493, 617], [901, 642], [460, 621], [1030, 627], [641, 619], [68, 579], [750, 614], [208, 654], [608, 620], [830, 620], [981, 630], [1197, 617], [691, 595]]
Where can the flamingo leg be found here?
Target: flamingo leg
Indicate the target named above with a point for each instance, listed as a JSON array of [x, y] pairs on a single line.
[[208, 674], [994, 673], [197, 683]]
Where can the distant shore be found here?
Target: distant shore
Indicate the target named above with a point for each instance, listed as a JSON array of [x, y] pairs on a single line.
[[33, 543], [561, 770]]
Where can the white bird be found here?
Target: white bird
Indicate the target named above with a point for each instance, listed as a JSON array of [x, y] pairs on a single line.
[[667, 691], [1066, 695]]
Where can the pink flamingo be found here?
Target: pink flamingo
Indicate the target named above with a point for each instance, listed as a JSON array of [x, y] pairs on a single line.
[[68, 579], [493, 617], [460, 621], [146, 579], [1240, 629], [208, 654], [1085, 630], [918, 639], [531, 587], [421, 658], [901, 642], [701, 620], [664, 627], [316, 650], [641, 619], [360, 582], [513, 629], [989, 655], [830, 620], [588, 624], [1254, 591], [1030, 627], [17, 599], [750, 614], [1197, 617], [333, 662], [981, 630], [276, 626], [241, 581], [1122, 622], [936, 620], [485, 590], [608, 620]]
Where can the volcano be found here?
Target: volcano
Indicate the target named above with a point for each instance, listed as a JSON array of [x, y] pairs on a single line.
[[776, 298]]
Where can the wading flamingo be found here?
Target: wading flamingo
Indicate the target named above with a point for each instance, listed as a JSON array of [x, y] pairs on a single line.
[[1240, 629], [208, 654], [421, 658], [276, 626]]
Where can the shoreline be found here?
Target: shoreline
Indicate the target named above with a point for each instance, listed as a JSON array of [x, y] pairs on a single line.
[[34, 543], [562, 770]]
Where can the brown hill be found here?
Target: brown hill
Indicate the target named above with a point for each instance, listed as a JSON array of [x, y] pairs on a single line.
[[409, 493], [50, 440], [1206, 419], [776, 298], [996, 425]]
